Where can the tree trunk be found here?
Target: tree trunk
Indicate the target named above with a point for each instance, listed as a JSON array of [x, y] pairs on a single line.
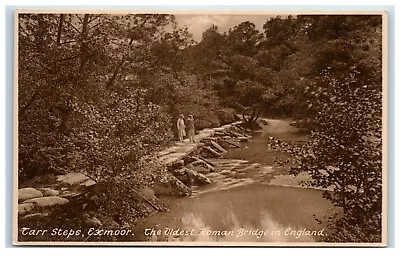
[[39, 38], [23, 109], [66, 111], [116, 72], [84, 46], [121, 63], [60, 27]]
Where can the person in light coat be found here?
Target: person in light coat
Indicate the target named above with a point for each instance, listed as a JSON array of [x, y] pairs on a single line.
[[180, 124]]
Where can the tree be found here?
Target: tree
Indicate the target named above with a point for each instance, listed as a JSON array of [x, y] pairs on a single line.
[[244, 38], [345, 151], [82, 106]]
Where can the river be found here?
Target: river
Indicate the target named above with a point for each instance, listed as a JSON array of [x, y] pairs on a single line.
[[250, 201]]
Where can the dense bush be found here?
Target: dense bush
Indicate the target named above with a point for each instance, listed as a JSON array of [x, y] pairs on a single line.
[[345, 152]]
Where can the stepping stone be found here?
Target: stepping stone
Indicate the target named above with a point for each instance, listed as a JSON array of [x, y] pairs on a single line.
[[28, 193], [47, 201], [24, 208]]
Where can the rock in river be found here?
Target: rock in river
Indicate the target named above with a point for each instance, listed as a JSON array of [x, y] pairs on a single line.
[[190, 177], [203, 164], [170, 185]]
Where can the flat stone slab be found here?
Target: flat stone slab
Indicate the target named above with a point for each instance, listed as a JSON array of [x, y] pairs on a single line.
[[34, 215], [176, 153], [24, 208], [50, 192], [242, 138], [202, 136], [186, 148], [207, 130], [219, 129], [88, 183], [227, 126], [47, 201], [69, 194], [171, 158], [168, 151], [217, 146], [28, 193], [73, 178]]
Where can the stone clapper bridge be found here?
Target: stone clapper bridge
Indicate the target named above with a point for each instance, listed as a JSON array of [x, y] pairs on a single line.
[[184, 161], [176, 153], [187, 161]]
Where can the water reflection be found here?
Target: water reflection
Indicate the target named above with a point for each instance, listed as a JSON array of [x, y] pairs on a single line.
[[254, 213]]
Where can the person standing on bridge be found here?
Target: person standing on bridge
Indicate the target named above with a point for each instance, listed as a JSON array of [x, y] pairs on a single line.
[[190, 123], [180, 124]]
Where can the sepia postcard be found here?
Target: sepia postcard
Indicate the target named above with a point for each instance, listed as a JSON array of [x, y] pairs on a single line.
[[200, 128]]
